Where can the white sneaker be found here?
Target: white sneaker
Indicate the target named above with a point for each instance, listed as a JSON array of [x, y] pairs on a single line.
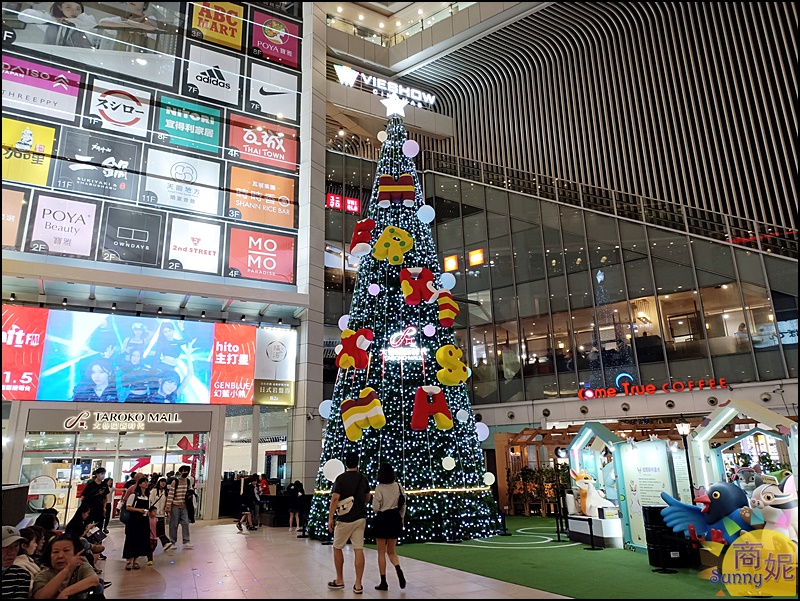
[[188, 546], [169, 547]]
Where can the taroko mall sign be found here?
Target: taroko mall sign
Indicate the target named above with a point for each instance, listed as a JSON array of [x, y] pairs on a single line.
[[381, 87]]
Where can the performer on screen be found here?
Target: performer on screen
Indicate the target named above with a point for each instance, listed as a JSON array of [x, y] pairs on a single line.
[[99, 384]]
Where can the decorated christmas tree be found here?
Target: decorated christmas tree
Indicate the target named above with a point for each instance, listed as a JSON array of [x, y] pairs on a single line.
[[400, 395]]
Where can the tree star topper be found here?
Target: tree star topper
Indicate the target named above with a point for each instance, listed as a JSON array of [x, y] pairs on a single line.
[[394, 105]]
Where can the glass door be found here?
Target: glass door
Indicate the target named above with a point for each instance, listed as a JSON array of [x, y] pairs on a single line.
[[188, 449], [49, 466]]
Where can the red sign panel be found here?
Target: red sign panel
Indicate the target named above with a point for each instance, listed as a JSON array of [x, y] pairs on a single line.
[[232, 361], [335, 201], [23, 343], [260, 255], [263, 142]]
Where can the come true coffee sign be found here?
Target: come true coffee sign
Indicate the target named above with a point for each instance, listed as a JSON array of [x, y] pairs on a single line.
[[628, 388]]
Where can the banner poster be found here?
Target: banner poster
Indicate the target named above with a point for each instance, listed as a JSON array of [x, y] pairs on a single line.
[[181, 181], [23, 344], [63, 226], [189, 125], [647, 475], [119, 109], [45, 91], [275, 367], [263, 142], [213, 75], [233, 361], [92, 163], [116, 358], [274, 92], [261, 197], [15, 209], [132, 236], [276, 40], [27, 148], [220, 23], [259, 255], [194, 245]]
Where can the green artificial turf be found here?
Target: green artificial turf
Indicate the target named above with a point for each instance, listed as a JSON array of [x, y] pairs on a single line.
[[566, 570]]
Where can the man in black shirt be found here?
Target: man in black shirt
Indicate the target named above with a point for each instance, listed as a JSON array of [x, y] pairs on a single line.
[[94, 495], [352, 524]]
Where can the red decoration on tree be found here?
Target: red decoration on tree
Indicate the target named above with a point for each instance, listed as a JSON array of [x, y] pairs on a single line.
[[417, 284], [395, 191], [448, 308], [352, 352], [429, 401], [362, 234]]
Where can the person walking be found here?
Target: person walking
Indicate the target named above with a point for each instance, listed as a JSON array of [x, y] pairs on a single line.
[[249, 503], [137, 530], [109, 500], [390, 510], [351, 486], [94, 495], [158, 501], [296, 500], [180, 495]]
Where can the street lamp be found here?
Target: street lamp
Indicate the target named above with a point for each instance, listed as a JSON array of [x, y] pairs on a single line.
[[684, 427]]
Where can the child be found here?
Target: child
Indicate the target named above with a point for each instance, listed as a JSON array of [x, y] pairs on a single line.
[[153, 534]]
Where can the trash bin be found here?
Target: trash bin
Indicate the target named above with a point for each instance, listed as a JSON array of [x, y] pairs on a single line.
[[665, 548]]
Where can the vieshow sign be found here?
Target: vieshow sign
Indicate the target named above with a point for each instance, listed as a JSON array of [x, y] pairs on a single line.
[[382, 87]]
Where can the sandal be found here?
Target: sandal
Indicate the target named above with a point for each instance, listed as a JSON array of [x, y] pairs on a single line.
[[129, 566], [136, 566], [359, 590], [334, 585]]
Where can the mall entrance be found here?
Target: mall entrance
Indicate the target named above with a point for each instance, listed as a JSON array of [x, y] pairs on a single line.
[[57, 464]]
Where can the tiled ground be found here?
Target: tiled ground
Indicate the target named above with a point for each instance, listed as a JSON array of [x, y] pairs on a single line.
[[273, 563]]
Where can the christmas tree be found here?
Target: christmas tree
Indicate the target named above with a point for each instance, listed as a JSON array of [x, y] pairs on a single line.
[[400, 395]]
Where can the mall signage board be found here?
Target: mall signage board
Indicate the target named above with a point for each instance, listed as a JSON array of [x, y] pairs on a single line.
[[87, 421], [630, 389], [93, 357], [381, 87]]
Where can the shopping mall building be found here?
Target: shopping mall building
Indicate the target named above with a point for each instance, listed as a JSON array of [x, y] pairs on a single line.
[[614, 187]]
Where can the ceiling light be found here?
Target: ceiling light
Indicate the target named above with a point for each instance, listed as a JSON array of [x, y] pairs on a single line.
[[243, 318], [360, 17], [419, 12], [338, 9], [160, 310], [341, 132], [13, 297], [380, 25], [203, 315], [113, 306], [398, 24], [280, 320], [64, 302]]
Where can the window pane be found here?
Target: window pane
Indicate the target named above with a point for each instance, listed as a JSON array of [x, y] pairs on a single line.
[[505, 307], [484, 365], [637, 272], [508, 357], [473, 195], [500, 260], [528, 252], [682, 325], [523, 207], [496, 200], [447, 188], [537, 358], [648, 334], [668, 245], [532, 298], [480, 311]]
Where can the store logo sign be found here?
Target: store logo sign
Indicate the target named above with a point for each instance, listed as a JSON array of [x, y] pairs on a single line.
[[628, 388], [381, 87], [77, 421], [17, 337]]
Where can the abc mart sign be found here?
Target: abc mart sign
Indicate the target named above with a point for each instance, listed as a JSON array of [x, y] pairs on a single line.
[[381, 87]]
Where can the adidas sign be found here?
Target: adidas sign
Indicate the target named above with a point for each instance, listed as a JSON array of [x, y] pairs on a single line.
[[214, 77]]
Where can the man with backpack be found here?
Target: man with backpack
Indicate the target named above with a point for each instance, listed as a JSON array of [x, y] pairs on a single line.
[[180, 506]]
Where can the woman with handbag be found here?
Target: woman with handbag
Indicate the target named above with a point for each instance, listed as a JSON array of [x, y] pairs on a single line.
[[137, 529], [390, 509]]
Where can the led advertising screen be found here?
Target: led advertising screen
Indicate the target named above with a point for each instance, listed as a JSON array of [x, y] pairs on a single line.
[[94, 357], [23, 342]]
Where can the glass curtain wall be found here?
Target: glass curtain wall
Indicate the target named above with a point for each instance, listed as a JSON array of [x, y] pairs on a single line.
[[555, 297]]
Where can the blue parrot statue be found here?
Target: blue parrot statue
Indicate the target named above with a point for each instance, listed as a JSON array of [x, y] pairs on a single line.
[[719, 519]]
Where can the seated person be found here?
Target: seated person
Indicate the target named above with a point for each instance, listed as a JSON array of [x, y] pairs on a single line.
[[67, 574], [64, 25]]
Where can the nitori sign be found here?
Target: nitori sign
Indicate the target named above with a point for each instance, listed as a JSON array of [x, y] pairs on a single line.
[[381, 87]]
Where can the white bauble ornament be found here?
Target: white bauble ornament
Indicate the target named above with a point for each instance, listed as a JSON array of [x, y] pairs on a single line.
[[343, 320], [332, 469], [410, 148], [482, 430], [426, 214], [448, 281], [448, 463], [429, 330], [382, 135], [374, 289], [325, 409], [488, 478], [462, 415]]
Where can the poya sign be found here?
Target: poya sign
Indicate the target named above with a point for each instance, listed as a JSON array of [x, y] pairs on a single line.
[[630, 389], [381, 87]]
